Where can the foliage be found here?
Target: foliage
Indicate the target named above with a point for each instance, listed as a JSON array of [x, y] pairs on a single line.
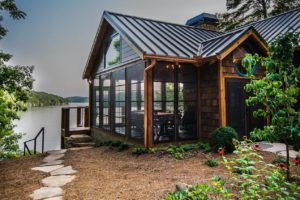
[[15, 82], [241, 12], [38, 99], [178, 155], [152, 150], [121, 146], [204, 146], [139, 150], [296, 142], [277, 91], [222, 138], [212, 162], [255, 180]]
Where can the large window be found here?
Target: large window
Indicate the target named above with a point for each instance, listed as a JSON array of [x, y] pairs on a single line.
[[135, 80], [95, 101], [105, 101], [174, 101], [113, 50], [119, 101]]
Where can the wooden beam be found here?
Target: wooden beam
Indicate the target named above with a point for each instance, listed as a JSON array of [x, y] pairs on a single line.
[[172, 58], [148, 105]]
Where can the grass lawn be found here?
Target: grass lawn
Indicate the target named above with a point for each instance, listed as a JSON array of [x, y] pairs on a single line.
[[105, 173]]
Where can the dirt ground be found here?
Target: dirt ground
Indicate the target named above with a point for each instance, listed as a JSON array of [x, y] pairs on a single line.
[[17, 180], [105, 173]]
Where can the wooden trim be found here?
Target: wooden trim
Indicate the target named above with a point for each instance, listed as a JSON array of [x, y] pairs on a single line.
[[222, 99], [148, 105], [171, 58], [233, 46]]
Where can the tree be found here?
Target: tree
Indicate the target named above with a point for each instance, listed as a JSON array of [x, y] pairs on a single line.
[[15, 82], [242, 12], [278, 91]]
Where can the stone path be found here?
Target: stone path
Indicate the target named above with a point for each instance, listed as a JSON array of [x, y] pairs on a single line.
[[277, 148], [60, 175]]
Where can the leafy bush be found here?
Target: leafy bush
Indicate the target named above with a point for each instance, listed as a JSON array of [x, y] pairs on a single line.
[[212, 162], [139, 150], [123, 146], [178, 156], [222, 137], [113, 143], [205, 146], [152, 150]]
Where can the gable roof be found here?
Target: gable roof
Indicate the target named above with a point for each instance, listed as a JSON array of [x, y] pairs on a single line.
[[152, 38], [271, 27]]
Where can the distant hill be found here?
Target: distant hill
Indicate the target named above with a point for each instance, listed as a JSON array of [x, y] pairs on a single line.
[[39, 99], [78, 99]]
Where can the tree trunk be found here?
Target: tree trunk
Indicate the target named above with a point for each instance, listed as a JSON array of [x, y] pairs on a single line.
[[287, 161], [264, 6]]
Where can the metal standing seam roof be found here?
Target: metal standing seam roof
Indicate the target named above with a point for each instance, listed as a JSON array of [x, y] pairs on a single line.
[[161, 38], [273, 26]]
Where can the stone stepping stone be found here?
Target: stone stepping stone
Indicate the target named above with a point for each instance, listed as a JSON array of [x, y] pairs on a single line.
[[55, 162], [55, 198], [58, 181], [46, 192], [48, 168], [53, 157], [62, 151], [64, 171]]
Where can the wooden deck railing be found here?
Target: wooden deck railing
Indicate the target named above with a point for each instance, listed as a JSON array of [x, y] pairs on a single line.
[[82, 122]]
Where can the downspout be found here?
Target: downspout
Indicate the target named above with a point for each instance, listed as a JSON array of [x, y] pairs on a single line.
[[146, 103]]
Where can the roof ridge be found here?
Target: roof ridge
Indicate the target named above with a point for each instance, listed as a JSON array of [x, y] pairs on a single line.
[[271, 17], [155, 20], [226, 33]]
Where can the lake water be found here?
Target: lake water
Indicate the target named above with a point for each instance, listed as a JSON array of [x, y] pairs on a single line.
[[49, 117]]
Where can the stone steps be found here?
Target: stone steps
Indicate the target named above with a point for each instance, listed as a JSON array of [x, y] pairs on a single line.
[[80, 138], [84, 144]]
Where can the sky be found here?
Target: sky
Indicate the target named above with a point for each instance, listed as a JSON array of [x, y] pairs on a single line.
[[57, 35]]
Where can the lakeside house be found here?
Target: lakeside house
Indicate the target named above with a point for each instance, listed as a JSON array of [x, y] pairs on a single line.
[[153, 82]]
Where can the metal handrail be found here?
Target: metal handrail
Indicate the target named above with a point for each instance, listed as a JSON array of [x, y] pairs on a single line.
[[42, 131]]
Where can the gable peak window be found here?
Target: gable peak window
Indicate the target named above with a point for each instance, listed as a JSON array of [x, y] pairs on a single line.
[[112, 50]]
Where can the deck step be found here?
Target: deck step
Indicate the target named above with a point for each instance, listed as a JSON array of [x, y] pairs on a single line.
[[80, 138], [83, 144]]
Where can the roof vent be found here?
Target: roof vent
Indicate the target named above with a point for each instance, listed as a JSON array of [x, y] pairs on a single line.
[[205, 21]]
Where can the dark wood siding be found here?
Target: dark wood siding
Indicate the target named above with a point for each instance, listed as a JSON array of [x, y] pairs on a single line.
[[127, 53], [209, 99]]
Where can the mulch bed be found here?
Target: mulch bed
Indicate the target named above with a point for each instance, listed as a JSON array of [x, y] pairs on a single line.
[[17, 180], [105, 173]]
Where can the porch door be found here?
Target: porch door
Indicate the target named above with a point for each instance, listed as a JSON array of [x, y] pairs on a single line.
[[238, 115]]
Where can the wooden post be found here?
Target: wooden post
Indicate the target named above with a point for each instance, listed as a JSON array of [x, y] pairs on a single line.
[[79, 114], [148, 105], [86, 117], [67, 122], [222, 99]]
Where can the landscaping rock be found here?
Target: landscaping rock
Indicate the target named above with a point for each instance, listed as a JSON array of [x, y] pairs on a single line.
[[64, 171], [53, 157], [62, 151], [182, 187], [46, 192], [55, 162], [292, 153], [57, 181], [47, 168], [55, 198]]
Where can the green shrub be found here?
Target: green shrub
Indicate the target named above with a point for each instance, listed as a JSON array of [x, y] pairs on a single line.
[[123, 146], [204, 146], [212, 162], [178, 156], [139, 150], [116, 143], [187, 147], [222, 137], [152, 150]]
